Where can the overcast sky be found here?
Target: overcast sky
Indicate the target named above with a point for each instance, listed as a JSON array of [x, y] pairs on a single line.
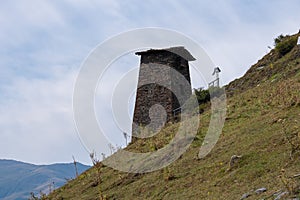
[[43, 44]]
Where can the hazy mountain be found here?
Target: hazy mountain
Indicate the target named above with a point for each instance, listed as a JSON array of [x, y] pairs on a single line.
[[18, 179]]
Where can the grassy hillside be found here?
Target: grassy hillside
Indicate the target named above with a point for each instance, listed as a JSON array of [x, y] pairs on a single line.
[[262, 126]]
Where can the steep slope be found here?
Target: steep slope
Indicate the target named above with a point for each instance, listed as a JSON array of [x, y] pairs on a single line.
[[272, 66], [262, 126], [18, 179]]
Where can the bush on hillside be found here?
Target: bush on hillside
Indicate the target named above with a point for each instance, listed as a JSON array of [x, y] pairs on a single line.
[[278, 39], [202, 95], [284, 44]]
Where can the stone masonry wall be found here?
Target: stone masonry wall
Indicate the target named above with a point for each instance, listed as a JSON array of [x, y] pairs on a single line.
[[153, 69]]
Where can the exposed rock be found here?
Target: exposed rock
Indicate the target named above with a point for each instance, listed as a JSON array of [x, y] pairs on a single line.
[[233, 160], [280, 195], [245, 196], [260, 190], [260, 67]]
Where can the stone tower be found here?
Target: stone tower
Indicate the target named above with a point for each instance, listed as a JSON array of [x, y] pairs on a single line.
[[160, 92]]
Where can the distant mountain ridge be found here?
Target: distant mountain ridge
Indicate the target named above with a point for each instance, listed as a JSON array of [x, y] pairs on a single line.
[[18, 179]]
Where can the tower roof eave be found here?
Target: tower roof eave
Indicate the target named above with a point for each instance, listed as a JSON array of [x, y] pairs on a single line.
[[179, 50]]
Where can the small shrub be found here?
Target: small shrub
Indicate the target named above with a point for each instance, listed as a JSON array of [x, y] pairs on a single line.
[[284, 44], [202, 95], [278, 39]]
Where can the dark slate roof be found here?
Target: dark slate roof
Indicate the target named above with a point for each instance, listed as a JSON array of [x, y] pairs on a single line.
[[180, 50]]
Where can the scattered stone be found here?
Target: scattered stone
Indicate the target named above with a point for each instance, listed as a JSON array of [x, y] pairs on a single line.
[[282, 194], [245, 196], [260, 190], [233, 160], [296, 175], [260, 67]]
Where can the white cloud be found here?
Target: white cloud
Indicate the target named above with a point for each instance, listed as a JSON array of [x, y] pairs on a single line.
[[19, 19], [36, 120]]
